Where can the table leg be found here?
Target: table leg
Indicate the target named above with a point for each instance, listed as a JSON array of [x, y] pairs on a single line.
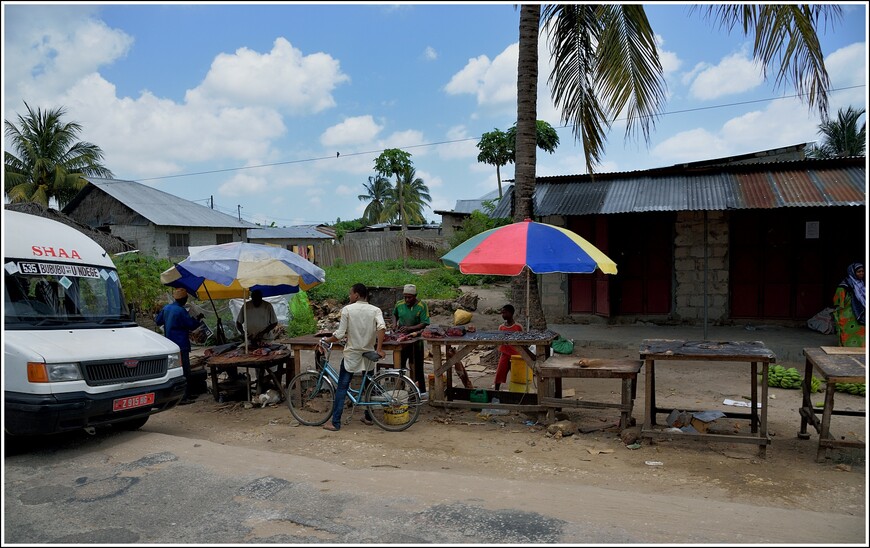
[[625, 415], [297, 363], [806, 388], [649, 418], [762, 451], [825, 431], [436, 363], [753, 392], [214, 383]]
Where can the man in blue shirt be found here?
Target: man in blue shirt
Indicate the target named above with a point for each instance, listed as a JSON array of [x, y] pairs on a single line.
[[177, 324]]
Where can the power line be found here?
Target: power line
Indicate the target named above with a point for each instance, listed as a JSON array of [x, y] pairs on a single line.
[[437, 143]]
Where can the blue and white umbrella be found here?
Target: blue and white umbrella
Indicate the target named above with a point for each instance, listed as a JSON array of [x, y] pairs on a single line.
[[241, 265]]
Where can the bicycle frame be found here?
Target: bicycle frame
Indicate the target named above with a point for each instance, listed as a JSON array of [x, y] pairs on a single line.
[[327, 371]]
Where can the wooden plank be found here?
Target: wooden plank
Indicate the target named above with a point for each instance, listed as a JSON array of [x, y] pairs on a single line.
[[843, 350]]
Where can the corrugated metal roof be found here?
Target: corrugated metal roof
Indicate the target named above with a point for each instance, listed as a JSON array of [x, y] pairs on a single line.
[[160, 208], [805, 183], [300, 232]]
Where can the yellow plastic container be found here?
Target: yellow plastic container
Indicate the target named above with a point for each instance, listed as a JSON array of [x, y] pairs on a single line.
[[396, 415], [522, 388], [521, 373]]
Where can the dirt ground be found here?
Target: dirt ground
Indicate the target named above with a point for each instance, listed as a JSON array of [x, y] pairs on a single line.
[[514, 446]]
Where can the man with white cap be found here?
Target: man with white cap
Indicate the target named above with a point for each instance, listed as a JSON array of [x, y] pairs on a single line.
[[409, 316], [177, 324]]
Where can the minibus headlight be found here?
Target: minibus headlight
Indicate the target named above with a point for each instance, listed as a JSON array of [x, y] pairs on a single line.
[[173, 361], [59, 372]]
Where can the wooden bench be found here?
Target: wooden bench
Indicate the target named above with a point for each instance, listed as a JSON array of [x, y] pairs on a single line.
[[556, 368]]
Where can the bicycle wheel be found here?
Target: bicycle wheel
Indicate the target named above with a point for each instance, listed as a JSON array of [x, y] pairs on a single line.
[[310, 398], [397, 401]]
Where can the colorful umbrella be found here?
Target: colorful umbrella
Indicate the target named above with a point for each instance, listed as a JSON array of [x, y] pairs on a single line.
[[271, 269], [542, 248], [530, 246]]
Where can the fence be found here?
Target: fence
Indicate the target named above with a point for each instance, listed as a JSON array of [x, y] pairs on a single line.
[[380, 246]]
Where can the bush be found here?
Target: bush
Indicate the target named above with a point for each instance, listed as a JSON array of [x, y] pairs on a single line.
[[302, 320], [140, 281]]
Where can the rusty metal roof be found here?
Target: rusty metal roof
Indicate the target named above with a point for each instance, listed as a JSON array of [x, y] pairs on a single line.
[[803, 183]]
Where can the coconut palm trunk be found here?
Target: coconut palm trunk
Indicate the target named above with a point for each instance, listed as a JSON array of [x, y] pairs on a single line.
[[525, 286]]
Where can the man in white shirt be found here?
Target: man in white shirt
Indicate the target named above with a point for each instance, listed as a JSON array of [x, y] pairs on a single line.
[[363, 326]]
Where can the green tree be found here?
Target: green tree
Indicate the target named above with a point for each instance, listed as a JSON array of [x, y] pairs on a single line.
[[479, 221], [496, 149], [408, 198], [378, 191], [842, 137], [497, 146], [394, 161], [140, 280], [49, 162], [605, 64]]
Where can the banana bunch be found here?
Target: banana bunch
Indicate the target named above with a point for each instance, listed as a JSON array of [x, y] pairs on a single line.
[[780, 377], [855, 388]]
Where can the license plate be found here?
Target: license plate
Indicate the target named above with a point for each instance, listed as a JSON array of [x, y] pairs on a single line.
[[122, 404]]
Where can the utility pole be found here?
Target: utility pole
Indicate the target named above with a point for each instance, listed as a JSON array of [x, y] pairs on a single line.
[[212, 201], [240, 212]]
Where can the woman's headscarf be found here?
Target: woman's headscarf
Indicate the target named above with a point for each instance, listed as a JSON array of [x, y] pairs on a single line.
[[856, 287]]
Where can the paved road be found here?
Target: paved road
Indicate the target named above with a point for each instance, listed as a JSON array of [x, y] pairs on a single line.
[[141, 487]]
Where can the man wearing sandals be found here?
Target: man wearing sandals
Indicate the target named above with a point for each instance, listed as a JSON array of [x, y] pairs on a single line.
[[363, 326]]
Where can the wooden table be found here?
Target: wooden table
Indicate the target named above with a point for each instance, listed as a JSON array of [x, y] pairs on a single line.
[[520, 340], [561, 367], [261, 364], [753, 352], [310, 342], [841, 365]]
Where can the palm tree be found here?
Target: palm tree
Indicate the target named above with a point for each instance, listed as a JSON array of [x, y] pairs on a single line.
[[415, 196], [49, 162], [394, 161], [378, 191], [842, 137], [497, 148], [606, 65]]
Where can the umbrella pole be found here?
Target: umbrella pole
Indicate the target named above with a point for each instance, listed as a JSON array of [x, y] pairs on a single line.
[[221, 338], [528, 274], [245, 319]]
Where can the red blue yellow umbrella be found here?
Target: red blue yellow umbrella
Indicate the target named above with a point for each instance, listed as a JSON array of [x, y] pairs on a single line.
[[540, 247]]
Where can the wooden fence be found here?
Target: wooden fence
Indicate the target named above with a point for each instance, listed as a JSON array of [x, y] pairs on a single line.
[[380, 246]]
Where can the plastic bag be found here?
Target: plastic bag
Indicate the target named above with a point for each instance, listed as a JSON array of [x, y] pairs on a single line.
[[561, 345], [461, 317], [823, 322]]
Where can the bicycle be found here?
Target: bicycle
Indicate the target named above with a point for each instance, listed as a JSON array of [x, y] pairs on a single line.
[[391, 397]]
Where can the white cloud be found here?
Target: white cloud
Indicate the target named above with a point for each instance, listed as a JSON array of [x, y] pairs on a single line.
[[352, 131], [430, 54], [734, 74], [242, 184], [284, 79], [690, 146], [462, 144], [493, 82], [671, 63], [848, 66], [49, 48]]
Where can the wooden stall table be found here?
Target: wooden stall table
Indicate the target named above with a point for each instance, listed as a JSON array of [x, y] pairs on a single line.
[[520, 340], [561, 367], [835, 364], [262, 364], [753, 352], [310, 342]]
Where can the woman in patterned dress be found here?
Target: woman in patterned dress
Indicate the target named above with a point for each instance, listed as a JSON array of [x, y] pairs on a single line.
[[850, 303]]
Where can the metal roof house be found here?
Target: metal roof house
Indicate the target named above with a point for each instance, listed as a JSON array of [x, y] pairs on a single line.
[[154, 221], [715, 240], [306, 240], [451, 221]]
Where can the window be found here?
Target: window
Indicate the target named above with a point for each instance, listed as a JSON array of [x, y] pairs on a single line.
[[178, 244], [223, 238]]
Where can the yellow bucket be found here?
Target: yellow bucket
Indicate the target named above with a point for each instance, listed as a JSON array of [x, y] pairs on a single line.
[[396, 415], [521, 373]]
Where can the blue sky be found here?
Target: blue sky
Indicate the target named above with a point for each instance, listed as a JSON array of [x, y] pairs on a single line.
[[250, 103]]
